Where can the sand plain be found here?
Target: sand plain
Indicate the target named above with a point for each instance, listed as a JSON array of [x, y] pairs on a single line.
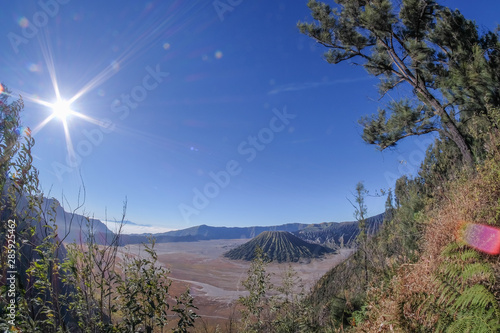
[[215, 281]]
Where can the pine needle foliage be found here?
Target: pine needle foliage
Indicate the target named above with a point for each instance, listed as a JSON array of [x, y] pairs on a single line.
[[448, 62]]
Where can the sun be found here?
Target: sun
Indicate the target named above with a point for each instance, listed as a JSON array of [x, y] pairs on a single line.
[[61, 109]]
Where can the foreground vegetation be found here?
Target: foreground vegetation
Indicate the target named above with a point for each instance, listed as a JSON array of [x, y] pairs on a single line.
[[416, 274], [85, 287]]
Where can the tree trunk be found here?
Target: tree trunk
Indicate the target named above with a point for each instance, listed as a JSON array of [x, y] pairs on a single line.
[[459, 140], [448, 123], [450, 126]]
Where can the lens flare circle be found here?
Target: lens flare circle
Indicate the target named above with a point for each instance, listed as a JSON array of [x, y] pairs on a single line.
[[482, 237]]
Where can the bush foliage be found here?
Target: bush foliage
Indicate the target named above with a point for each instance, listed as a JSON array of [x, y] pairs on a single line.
[[416, 274], [84, 287]]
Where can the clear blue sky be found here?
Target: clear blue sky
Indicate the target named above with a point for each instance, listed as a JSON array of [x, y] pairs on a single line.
[[174, 93]]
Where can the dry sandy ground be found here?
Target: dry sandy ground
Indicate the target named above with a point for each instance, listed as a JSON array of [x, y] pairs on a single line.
[[215, 281]]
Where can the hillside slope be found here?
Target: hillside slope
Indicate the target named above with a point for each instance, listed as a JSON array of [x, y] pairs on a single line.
[[280, 246], [420, 272]]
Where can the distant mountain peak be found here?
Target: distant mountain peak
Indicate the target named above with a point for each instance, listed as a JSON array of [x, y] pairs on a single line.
[[280, 246]]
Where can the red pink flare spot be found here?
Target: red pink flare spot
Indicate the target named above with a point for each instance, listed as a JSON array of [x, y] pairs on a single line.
[[482, 237]]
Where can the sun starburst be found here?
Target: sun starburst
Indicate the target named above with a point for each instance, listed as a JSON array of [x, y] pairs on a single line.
[[61, 109], [64, 109]]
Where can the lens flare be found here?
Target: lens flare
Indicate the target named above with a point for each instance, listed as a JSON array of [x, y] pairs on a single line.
[[482, 237], [34, 68], [23, 22]]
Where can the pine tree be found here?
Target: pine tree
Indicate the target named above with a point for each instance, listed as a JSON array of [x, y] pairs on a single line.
[[360, 212], [389, 208], [450, 68]]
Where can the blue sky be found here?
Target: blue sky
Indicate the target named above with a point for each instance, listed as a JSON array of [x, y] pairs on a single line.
[[198, 117]]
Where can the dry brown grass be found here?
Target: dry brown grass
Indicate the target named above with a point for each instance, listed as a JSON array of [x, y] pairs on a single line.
[[473, 198]]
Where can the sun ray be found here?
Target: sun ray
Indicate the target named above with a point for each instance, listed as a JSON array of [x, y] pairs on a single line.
[[95, 82], [32, 98], [69, 142], [111, 69], [51, 106], [39, 127], [49, 62], [87, 118], [140, 44], [141, 41]]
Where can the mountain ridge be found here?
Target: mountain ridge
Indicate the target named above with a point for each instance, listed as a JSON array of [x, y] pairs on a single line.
[[72, 228], [319, 233], [338, 234]]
